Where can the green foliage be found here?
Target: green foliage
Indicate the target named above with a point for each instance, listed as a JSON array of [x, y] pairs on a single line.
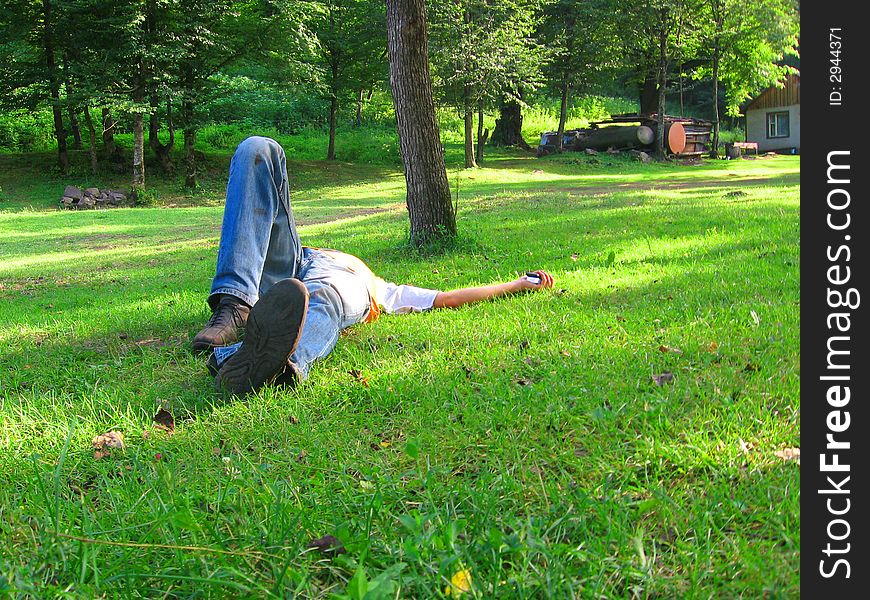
[[25, 131], [256, 103], [752, 42], [483, 51]]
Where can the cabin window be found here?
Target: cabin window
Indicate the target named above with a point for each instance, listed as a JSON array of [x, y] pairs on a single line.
[[777, 124]]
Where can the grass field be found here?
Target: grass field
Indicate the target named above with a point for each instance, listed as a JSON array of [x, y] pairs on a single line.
[[522, 444]]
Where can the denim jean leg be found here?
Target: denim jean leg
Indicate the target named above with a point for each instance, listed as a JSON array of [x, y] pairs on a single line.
[[259, 243], [338, 298]]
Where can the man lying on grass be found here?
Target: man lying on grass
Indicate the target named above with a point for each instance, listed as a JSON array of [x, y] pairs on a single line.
[[292, 301]]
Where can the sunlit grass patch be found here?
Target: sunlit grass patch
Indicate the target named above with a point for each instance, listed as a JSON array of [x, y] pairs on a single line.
[[617, 436]]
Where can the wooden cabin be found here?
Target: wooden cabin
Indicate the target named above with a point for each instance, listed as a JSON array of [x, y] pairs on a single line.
[[773, 119]]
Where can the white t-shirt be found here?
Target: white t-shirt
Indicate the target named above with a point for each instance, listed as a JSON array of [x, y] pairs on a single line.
[[395, 299], [401, 299]]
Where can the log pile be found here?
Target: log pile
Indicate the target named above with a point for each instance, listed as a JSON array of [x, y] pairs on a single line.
[[684, 136]]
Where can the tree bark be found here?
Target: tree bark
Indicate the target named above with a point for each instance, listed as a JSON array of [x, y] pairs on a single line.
[[509, 126], [74, 128], [138, 183], [357, 121], [108, 133], [71, 112], [649, 94], [92, 140], [333, 110], [54, 87], [138, 152], [161, 151], [661, 82], [190, 178], [468, 121], [482, 134], [428, 191], [718, 23], [563, 113], [190, 157]]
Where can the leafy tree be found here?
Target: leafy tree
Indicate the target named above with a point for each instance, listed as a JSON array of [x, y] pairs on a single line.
[[748, 43], [581, 35], [652, 33], [483, 52], [352, 51], [31, 59]]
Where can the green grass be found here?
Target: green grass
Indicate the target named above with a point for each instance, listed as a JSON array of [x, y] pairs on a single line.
[[522, 439]]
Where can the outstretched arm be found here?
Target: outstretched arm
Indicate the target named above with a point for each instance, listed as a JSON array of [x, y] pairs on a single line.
[[455, 298]]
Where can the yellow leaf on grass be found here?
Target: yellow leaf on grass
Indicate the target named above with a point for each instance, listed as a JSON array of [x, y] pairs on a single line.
[[459, 583], [789, 454]]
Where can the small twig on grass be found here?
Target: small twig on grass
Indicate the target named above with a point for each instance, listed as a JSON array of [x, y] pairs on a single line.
[[245, 553]]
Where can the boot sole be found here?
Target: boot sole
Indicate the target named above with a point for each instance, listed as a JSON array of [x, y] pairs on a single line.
[[271, 335]]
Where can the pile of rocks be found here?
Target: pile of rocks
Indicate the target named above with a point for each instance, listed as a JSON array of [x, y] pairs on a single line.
[[76, 198]]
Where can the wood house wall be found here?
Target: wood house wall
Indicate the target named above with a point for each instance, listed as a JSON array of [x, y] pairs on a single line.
[[786, 99]]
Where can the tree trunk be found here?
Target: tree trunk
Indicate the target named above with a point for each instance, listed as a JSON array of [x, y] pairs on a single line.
[[190, 157], [109, 133], [138, 139], [662, 81], [482, 134], [74, 127], [161, 151], [138, 152], [468, 121], [70, 106], [714, 152], [54, 87], [718, 23], [649, 94], [333, 110], [429, 205], [92, 140], [357, 121], [509, 126], [563, 113]]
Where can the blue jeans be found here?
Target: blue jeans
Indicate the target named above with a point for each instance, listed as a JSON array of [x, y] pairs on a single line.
[[260, 246]]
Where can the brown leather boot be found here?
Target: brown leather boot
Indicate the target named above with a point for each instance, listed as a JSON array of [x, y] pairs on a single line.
[[223, 328]]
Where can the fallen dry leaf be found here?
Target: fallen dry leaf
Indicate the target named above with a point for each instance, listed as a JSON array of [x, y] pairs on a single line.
[[164, 420], [664, 348], [328, 544], [789, 454], [663, 378], [358, 376], [712, 347], [102, 443], [111, 439]]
